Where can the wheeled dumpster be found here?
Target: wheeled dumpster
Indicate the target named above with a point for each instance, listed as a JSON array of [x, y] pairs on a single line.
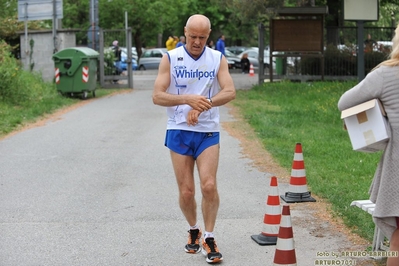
[[76, 71]]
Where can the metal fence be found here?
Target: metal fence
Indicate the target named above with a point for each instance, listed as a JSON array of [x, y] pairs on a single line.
[[338, 63], [340, 60], [101, 40]]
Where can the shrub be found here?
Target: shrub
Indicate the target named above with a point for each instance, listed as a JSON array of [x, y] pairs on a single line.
[[372, 59], [341, 62], [18, 86]]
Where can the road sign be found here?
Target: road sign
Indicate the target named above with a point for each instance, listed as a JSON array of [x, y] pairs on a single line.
[[39, 9]]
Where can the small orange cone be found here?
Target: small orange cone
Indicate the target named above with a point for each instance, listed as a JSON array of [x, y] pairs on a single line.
[[251, 70], [285, 248], [298, 188], [271, 220]]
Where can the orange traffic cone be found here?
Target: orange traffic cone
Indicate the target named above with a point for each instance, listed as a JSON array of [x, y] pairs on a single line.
[[298, 188], [251, 70], [271, 220], [285, 248]]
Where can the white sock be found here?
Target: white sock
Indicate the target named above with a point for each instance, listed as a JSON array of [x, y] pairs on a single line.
[[208, 234], [194, 227]]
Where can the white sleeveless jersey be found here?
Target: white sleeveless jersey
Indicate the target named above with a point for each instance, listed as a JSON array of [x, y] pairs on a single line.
[[193, 76]]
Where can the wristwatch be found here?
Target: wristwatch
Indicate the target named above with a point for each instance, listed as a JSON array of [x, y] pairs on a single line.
[[209, 100]]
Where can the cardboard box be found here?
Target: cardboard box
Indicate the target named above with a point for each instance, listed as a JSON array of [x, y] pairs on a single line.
[[367, 125]]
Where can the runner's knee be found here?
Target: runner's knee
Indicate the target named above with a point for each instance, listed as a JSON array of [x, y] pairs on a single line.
[[209, 188]]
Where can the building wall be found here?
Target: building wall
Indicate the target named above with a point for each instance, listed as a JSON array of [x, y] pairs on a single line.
[[43, 49]]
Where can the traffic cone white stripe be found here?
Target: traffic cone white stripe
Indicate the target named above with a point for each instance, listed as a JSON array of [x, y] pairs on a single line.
[[273, 191], [270, 230], [285, 244], [298, 157], [298, 172], [285, 222], [298, 189], [273, 209]]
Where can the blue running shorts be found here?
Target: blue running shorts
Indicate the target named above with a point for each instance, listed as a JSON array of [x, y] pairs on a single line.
[[190, 143]]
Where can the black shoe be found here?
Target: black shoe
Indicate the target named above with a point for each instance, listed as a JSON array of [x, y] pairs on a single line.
[[193, 245], [211, 251]]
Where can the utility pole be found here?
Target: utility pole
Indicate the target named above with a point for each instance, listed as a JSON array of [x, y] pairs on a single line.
[[93, 33]]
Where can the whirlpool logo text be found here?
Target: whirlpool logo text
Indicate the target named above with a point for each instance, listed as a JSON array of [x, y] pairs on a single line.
[[182, 72]]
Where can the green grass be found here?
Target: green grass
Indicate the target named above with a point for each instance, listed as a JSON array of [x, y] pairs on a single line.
[[286, 113], [14, 116]]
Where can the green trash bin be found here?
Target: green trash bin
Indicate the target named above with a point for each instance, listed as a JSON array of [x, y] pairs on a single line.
[[76, 71], [279, 66]]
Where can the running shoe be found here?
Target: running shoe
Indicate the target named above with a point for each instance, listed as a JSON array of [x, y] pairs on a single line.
[[193, 244], [211, 251]]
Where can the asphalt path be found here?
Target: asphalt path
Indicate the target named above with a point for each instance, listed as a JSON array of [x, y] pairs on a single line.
[[95, 186]]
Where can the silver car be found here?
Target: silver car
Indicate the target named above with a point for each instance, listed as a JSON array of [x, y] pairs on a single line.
[[151, 58], [253, 55]]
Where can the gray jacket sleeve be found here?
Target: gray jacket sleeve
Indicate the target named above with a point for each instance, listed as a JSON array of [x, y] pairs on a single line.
[[369, 88]]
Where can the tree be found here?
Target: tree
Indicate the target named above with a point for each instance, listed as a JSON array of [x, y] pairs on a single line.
[[389, 11], [151, 19], [10, 26], [244, 16], [148, 19], [76, 14]]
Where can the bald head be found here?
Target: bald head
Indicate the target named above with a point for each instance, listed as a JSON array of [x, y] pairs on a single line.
[[198, 21], [197, 30]]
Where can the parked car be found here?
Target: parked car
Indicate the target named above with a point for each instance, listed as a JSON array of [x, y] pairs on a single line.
[[237, 49], [124, 51], [123, 64], [350, 48], [134, 53], [233, 60], [384, 46], [253, 55], [151, 58]]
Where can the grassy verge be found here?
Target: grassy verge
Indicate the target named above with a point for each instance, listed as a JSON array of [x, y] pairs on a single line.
[[286, 113], [14, 116]]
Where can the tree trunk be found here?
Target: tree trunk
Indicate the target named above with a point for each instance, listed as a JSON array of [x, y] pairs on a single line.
[[333, 22], [137, 42], [160, 40]]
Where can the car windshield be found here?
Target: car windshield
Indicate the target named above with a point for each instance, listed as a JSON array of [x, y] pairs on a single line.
[[156, 54], [228, 53], [147, 54]]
